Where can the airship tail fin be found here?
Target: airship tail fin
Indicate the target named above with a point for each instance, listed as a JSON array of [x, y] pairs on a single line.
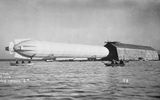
[[10, 48], [16, 41], [16, 55]]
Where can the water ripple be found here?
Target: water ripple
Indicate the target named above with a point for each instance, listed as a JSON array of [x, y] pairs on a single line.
[[81, 81]]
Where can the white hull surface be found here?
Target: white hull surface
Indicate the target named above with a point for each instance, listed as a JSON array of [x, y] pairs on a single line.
[[42, 49]]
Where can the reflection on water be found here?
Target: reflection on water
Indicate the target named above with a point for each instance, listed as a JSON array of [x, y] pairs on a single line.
[[80, 81]]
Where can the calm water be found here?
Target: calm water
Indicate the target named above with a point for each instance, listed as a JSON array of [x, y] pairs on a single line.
[[80, 81]]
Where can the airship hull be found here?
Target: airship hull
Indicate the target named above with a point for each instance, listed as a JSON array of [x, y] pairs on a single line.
[[43, 49]]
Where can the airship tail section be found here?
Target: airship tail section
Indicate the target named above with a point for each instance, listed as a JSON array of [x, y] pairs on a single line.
[[10, 48], [16, 55], [16, 41]]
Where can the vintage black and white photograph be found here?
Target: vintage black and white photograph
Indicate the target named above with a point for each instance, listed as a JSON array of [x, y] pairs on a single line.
[[79, 49]]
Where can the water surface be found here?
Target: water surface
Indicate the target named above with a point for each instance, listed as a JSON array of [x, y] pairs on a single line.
[[80, 81]]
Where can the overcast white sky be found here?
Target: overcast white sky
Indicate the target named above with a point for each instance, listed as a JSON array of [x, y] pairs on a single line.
[[80, 21]]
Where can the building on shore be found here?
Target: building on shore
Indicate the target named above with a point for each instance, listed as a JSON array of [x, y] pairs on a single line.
[[158, 54], [121, 51]]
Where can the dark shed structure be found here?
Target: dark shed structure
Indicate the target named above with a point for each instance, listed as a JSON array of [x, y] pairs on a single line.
[[121, 51], [158, 54]]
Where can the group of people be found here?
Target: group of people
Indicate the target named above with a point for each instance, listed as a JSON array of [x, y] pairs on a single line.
[[121, 62]]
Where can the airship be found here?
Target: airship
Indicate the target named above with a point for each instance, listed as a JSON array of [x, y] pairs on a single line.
[[34, 49]]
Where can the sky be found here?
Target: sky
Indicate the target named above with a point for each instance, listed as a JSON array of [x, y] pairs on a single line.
[[80, 21]]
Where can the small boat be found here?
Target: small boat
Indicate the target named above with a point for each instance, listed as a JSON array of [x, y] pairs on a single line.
[[107, 64], [21, 64], [115, 63]]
